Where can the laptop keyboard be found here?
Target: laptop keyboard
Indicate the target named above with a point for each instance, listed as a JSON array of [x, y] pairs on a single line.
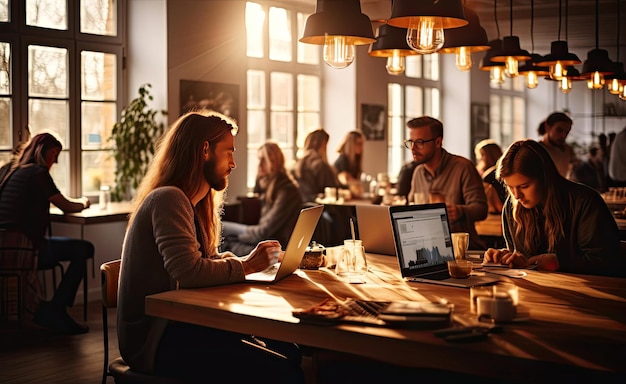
[[364, 309]]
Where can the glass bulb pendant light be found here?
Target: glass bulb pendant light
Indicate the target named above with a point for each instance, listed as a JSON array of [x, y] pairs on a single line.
[[565, 84], [596, 81], [463, 58], [614, 87], [337, 52], [396, 63], [496, 75], [532, 80], [622, 95], [425, 36]]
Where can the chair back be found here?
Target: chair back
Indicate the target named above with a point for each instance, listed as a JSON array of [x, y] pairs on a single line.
[[110, 277]]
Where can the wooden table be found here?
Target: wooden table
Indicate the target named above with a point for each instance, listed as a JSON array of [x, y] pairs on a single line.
[[576, 326]]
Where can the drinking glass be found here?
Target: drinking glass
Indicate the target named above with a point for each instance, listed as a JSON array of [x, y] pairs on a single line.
[[460, 242], [351, 264]]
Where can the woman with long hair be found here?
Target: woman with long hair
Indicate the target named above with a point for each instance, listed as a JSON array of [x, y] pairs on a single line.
[[552, 222], [27, 189], [312, 171], [349, 164], [280, 205]]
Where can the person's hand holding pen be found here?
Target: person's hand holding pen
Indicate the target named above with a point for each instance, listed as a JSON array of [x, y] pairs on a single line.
[[506, 257], [266, 253]]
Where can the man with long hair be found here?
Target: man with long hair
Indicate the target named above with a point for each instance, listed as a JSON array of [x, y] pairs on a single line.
[[172, 242]]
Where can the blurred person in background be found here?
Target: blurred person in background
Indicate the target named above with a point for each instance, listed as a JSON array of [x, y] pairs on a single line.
[[591, 172], [280, 205], [553, 131], [349, 164], [617, 160], [312, 171], [487, 153]]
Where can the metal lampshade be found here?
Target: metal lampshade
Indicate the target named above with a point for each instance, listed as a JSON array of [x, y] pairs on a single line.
[[618, 73], [532, 65], [511, 48], [388, 39], [473, 35], [486, 63], [338, 18], [559, 53], [447, 13], [598, 61]]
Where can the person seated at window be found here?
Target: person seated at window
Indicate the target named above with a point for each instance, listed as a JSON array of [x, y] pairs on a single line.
[[312, 171], [349, 164], [591, 172], [552, 222], [487, 154], [26, 193], [281, 204]]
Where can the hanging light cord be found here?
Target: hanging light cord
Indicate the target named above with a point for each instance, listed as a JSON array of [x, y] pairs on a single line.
[[560, 6], [532, 25], [566, 17], [597, 24], [495, 17], [618, 28], [511, 16]]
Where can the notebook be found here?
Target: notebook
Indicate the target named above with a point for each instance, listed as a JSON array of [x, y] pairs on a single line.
[[298, 241], [423, 244], [375, 229]]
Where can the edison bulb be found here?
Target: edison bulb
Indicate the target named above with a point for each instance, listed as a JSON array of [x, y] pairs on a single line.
[[338, 53], [557, 71], [614, 87], [511, 67], [496, 75], [622, 94], [424, 36], [463, 59], [596, 81], [532, 81], [395, 63], [565, 85]]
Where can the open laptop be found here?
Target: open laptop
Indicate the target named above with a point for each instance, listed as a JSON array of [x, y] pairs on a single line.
[[424, 245], [374, 228], [298, 241]]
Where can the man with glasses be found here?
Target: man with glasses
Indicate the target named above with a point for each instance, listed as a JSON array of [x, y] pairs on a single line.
[[449, 177]]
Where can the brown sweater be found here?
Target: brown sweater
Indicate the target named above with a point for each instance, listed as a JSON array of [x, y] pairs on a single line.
[[161, 251]]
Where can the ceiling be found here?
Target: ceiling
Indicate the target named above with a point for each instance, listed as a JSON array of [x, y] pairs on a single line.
[[580, 28]]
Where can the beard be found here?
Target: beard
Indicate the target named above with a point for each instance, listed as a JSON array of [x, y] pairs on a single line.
[[216, 182]]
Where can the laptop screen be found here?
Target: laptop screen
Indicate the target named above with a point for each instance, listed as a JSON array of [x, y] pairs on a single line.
[[422, 237]]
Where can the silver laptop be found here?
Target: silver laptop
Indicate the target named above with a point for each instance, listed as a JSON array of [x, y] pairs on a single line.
[[374, 228], [423, 244], [298, 241]]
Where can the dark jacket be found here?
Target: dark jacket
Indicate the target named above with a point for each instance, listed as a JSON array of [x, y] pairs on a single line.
[[313, 174]]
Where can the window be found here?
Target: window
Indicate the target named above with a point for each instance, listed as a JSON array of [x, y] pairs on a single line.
[[60, 71], [507, 110], [284, 80], [414, 94]]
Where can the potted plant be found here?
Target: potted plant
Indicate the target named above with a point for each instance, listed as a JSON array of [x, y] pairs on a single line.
[[134, 137]]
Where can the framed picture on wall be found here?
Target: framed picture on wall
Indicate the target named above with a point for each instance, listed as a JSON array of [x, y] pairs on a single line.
[[222, 98], [373, 121], [479, 125]]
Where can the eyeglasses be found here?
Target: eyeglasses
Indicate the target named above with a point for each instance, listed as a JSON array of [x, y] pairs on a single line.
[[409, 144]]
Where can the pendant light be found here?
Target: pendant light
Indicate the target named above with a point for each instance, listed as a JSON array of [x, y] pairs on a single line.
[[338, 25], [559, 57], [598, 63], [496, 69], [391, 43], [617, 81], [425, 21], [531, 70], [463, 41], [511, 53]]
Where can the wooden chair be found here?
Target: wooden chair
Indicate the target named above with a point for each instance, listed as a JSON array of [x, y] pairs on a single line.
[[118, 369], [18, 274]]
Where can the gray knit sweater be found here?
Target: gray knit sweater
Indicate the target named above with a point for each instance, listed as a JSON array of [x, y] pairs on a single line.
[[160, 250]]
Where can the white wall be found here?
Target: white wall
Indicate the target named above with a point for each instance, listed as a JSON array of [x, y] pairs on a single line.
[[456, 111]]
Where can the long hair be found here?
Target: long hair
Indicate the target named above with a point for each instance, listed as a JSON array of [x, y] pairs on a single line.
[[274, 158], [346, 148], [35, 151], [488, 151], [313, 142], [529, 158], [178, 161]]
